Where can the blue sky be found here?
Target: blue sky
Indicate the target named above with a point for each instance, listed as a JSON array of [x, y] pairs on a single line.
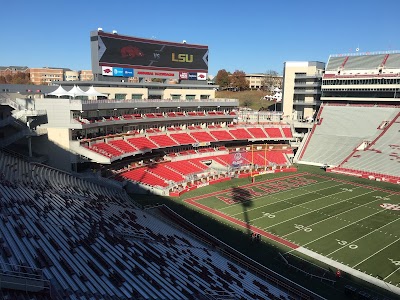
[[252, 36]]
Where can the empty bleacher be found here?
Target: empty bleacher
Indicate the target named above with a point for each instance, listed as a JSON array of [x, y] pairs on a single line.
[[183, 138], [202, 136], [273, 132], [241, 134], [123, 145], [393, 61], [382, 156], [364, 62], [142, 143], [104, 147], [93, 243], [163, 140], [258, 133], [287, 131], [334, 63], [222, 135], [341, 130]]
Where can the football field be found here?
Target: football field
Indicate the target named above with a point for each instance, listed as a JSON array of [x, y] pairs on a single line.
[[354, 227]]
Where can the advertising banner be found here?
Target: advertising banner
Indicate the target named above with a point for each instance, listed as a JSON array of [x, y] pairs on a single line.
[[107, 71], [117, 50], [128, 72], [201, 76], [118, 72], [192, 76], [183, 75]]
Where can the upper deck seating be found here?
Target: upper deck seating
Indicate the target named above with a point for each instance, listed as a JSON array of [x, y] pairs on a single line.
[[287, 132], [123, 145], [142, 143], [241, 134], [108, 149], [183, 138], [273, 132], [258, 133], [222, 135], [202, 136], [163, 140]]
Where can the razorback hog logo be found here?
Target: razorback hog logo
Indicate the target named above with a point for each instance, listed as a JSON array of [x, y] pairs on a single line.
[[390, 206], [202, 76], [131, 52], [107, 71]]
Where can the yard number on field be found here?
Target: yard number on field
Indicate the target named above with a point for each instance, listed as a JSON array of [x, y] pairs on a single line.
[[344, 243], [395, 262], [302, 227], [346, 189], [268, 215]]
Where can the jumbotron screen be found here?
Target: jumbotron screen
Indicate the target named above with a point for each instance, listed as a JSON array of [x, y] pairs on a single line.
[[131, 52]]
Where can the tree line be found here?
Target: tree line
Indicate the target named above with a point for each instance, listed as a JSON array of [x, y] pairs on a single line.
[[237, 80], [17, 78]]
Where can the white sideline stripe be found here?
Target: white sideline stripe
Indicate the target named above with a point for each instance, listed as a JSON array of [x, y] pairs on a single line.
[[383, 210], [377, 253], [275, 212], [260, 197], [284, 200], [333, 216], [380, 283], [318, 209]]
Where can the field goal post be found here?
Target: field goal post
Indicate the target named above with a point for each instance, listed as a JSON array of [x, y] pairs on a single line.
[[252, 174]]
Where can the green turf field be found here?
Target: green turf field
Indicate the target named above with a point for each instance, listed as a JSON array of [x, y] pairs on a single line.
[[355, 224]]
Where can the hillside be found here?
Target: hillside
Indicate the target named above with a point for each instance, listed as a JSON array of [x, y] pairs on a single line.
[[251, 99]]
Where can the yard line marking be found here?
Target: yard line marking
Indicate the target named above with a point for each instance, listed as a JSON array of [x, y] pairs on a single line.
[[319, 209], [365, 234], [342, 227], [335, 216], [376, 253], [284, 200], [392, 273], [294, 205], [277, 193]]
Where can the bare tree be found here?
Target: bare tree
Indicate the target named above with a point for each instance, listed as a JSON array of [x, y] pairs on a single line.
[[270, 80]]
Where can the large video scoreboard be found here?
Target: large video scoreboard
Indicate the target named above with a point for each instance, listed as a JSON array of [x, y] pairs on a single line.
[[124, 56]]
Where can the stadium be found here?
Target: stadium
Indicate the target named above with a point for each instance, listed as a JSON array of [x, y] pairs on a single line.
[[156, 189]]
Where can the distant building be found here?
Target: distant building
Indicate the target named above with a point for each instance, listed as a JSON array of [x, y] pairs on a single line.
[[260, 81], [12, 70], [302, 82], [71, 75], [47, 75], [86, 75]]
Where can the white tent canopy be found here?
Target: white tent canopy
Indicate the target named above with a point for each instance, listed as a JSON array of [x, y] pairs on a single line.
[[92, 92], [59, 92], [76, 91]]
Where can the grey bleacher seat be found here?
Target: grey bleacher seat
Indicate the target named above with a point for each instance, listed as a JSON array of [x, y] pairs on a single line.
[[383, 156], [364, 62], [393, 61], [335, 62], [93, 243], [342, 129]]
